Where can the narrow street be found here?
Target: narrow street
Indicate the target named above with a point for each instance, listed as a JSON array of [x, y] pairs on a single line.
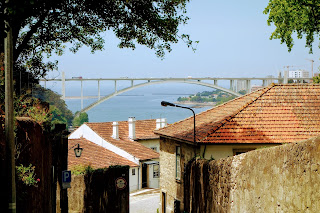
[[145, 201]]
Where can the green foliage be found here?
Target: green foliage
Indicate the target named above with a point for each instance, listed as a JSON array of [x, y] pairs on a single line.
[[58, 108], [27, 175], [119, 167], [79, 120], [207, 96], [26, 106], [43, 28], [81, 169], [290, 17], [316, 79]]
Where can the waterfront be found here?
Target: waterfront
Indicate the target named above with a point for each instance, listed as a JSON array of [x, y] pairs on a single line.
[[141, 103], [141, 107]]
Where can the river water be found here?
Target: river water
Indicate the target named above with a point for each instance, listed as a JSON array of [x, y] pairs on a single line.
[[141, 103]]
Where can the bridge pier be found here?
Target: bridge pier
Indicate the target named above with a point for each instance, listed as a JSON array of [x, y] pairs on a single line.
[[63, 86], [215, 82], [264, 82], [81, 96], [98, 90], [115, 86], [232, 85], [248, 86]]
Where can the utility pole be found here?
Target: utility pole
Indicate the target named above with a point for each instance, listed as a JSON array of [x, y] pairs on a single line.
[[9, 119]]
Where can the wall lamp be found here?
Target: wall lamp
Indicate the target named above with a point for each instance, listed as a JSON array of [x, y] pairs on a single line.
[[77, 150], [165, 103]]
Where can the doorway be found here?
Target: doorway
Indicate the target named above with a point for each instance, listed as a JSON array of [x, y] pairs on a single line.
[[144, 175]]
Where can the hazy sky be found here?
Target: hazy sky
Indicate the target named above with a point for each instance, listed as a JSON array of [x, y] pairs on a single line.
[[234, 42]]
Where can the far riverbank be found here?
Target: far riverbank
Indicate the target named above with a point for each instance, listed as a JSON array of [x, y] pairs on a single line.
[[196, 104]]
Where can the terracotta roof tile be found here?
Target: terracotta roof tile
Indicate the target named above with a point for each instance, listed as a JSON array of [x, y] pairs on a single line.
[[94, 155], [144, 130], [275, 114]]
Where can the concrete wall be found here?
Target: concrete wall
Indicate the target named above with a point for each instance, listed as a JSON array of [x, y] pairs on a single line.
[[168, 184], [223, 151], [279, 179]]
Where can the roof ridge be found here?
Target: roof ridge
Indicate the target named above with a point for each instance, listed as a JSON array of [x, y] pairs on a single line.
[[228, 118], [220, 105]]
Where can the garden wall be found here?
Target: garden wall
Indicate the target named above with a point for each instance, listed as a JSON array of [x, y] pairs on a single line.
[[279, 179], [96, 191], [32, 147]]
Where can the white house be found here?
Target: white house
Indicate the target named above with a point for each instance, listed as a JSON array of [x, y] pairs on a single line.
[[121, 138]]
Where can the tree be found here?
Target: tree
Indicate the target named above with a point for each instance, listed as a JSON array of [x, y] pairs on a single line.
[[58, 108], [83, 117], [44, 27], [300, 17]]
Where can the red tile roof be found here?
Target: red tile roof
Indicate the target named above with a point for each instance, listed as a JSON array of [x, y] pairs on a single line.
[[144, 130], [275, 114], [94, 155]]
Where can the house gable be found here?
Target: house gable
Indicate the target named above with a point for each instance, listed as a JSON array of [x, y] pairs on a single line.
[[275, 114], [86, 132]]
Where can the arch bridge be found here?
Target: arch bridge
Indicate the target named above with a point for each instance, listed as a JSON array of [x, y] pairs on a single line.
[[207, 82]]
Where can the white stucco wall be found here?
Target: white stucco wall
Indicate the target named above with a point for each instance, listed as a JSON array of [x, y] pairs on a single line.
[[87, 133], [151, 143], [222, 151]]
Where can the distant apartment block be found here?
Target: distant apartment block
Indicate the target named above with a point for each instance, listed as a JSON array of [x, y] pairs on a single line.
[[298, 74]]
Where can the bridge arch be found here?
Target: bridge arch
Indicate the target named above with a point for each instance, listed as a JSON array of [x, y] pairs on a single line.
[[152, 83]]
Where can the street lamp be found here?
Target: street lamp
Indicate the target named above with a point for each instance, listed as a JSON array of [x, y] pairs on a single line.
[[77, 150], [165, 103]]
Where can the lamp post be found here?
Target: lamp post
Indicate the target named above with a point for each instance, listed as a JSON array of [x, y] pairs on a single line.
[[77, 150], [165, 103]]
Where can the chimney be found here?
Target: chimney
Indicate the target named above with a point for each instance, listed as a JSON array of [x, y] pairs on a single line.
[[115, 126], [163, 122], [132, 127], [158, 123]]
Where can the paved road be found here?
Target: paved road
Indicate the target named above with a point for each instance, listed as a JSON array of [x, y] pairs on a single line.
[[146, 201]]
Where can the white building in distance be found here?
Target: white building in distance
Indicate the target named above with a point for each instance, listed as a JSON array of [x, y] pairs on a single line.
[[298, 74]]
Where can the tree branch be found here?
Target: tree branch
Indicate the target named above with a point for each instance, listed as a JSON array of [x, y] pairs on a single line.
[[29, 35]]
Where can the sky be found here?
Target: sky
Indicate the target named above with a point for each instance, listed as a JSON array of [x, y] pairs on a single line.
[[233, 42]]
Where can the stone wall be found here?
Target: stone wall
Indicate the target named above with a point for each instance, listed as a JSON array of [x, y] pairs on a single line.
[[279, 179], [168, 184], [96, 192]]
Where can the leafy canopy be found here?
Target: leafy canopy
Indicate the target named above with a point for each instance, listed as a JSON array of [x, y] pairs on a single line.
[[44, 27], [300, 17], [79, 120]]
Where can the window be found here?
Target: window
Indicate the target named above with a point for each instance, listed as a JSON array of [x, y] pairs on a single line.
[[178, 168], [133, 171], [154, 149], [156, 171]]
